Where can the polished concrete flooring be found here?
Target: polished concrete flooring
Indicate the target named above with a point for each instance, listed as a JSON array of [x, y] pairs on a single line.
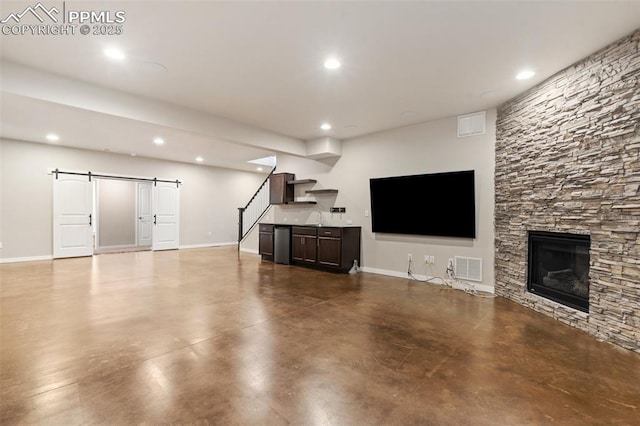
[[210, 336]]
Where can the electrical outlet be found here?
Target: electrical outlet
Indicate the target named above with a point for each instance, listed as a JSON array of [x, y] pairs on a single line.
[[432, 259], [410, 257], [426, 259], [450, 270]]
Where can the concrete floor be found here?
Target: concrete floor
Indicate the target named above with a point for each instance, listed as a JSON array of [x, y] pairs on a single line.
[[210, 336]]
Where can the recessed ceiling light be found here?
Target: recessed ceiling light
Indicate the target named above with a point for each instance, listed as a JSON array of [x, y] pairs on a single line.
[[113, 53], [133, 154], [158, 141], [525, 74], [199, 159], [332, 64], [325, 126], [259, 169], [51, 137]]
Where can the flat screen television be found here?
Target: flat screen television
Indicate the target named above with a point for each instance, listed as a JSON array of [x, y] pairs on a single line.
[[439, 204]]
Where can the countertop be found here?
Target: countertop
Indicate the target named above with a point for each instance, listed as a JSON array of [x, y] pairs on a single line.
[[309, 225]]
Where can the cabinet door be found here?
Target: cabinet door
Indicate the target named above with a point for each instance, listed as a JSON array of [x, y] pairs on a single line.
[[329, 251], [297, 247], [279, 191], [304, 248], [310, 248], [265, 243]]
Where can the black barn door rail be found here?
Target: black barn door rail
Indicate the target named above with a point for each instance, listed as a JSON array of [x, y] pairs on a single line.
[[57, 172]]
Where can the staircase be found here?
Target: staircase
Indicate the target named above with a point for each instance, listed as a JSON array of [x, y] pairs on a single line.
[[257, 206]]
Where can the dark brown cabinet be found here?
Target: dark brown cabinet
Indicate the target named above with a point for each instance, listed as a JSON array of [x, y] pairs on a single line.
[[330, 248], [338, 247], [265, 241], [280, 192], [304, 244]]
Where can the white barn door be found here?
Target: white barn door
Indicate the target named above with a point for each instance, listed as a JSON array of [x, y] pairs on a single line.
[[145, 215], [72, 216], [166, 216]]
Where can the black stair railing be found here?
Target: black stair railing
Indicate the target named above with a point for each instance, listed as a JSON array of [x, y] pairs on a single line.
[[257, 206]]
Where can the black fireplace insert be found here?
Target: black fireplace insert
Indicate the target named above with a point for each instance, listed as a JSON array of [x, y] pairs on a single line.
[[559, 268]]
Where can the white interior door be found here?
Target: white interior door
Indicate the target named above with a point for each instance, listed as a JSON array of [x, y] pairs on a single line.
[[166, 216], [145, 215], [72, 216]]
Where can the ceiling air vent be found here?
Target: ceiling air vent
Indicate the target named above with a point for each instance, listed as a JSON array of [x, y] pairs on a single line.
[[472, 124], [468, 268]]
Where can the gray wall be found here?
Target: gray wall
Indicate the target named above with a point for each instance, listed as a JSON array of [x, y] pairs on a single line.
[[116, 213], [568, 160], [422, 148], [208, 202]]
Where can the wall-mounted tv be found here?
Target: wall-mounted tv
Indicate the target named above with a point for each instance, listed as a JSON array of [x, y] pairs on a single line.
[[439, 204]]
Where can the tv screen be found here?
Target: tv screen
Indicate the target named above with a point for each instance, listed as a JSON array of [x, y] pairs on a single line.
[[439, 204]]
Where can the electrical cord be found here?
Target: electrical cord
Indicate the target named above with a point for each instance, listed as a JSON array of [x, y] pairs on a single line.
[[469, 287], [428, 279]]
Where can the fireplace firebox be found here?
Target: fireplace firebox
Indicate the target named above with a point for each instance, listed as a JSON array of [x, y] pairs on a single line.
[[559, 268]]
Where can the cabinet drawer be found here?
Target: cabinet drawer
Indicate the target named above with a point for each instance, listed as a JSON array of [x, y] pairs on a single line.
[[266, 228], [303, 230], [330, 232]]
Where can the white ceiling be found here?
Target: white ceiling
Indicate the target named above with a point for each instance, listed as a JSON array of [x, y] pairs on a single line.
[[260, 64]]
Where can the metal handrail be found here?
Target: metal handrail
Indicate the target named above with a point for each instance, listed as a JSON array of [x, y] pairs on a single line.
[[241, 210]]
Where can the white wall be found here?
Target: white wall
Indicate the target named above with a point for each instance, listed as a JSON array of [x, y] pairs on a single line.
[[208, 202], [424, 148]]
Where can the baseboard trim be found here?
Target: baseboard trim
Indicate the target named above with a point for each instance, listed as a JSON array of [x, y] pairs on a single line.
[[473, 286], [386, 272], [246, 250], [120, 247], [457, 285], [193, 246], [25, 259]]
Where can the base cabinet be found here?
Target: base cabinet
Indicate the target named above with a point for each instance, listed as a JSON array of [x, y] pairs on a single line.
[[265, 241], [328, 248], [304, 244], [335, 248], [338, 248]]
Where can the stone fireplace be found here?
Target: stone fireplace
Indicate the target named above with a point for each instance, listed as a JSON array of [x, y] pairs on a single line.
[[558, 268], [568, 162]]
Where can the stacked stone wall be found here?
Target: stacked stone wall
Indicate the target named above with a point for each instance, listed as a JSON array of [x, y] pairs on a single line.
[[568, 160]]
